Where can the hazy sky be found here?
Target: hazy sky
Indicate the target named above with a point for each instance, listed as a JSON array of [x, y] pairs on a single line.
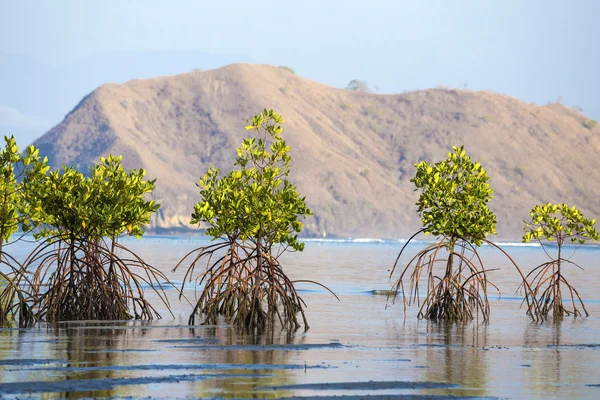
[[537, 51]]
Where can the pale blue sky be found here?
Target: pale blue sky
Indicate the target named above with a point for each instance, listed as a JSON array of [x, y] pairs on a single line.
[[537, 51]]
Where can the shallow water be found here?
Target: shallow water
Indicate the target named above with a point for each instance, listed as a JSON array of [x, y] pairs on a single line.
[[355, 347]]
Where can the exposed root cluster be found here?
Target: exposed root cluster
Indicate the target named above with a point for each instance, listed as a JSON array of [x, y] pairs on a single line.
[[457, 285], [548, 283], [457, 282], [76, 279], [246, 284], [15, 300]]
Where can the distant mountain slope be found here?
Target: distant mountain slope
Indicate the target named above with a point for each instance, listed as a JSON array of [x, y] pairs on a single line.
[[353, 153]]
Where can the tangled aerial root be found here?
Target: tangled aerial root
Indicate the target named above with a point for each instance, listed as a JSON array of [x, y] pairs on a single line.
[[247, 285], [88, 280], [15, 301], [457, 282], [546, 280]]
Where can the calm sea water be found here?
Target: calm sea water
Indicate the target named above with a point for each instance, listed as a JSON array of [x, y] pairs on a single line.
[[363, 344]]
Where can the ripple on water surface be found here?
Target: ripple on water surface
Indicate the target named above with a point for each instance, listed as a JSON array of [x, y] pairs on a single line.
[[355, 347]]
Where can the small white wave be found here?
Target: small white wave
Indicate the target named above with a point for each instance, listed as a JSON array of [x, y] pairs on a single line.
[[516, 244], [323, 240], [403, 241], [344, 240], [366, 240]]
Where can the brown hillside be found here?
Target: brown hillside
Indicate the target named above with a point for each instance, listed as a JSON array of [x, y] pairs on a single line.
[[353, 152]]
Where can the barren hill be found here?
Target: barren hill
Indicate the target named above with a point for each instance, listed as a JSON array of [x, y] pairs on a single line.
[[353, 152]]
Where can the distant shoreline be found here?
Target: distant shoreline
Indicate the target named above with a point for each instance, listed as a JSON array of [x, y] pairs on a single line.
[[200, 234]]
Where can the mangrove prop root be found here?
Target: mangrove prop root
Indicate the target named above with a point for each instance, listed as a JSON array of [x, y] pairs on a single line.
[[549, 286], [76, 279], [246, 284], [459, 292], [15, 299]]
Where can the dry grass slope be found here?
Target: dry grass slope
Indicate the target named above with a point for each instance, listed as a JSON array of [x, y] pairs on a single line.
[[353, 152]]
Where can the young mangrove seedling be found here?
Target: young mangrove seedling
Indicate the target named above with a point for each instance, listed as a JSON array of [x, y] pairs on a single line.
[[254, 214], [453, 208], [557, 223]]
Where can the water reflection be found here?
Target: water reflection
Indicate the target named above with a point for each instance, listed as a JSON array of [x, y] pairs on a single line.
[[99, 351], [559, 362], [5, 344], [543, 359], [244, 388], [534, 360], [453, 354], [85, 348]]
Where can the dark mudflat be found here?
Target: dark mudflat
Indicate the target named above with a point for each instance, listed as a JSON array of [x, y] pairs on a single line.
[[31, 361], [190, 340], [123, 351], [88, 385], [277, 347], [389, 397], [370, 385], [594, 346], [95, 327], [55, 341], [163, 367]]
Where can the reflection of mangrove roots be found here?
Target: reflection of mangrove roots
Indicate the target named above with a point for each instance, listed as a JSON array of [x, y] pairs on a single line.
[[548, 283], [246, 284], [460, 293], [87, 280]]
